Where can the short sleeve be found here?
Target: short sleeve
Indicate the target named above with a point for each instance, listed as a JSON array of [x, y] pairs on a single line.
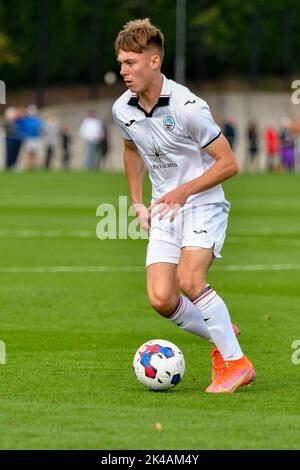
[[120, 125], [201, 126]]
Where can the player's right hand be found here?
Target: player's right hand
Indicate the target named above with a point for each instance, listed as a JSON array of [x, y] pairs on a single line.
[[143, 216]]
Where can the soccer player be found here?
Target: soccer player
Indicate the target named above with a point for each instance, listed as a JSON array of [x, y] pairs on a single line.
[[171, 132]]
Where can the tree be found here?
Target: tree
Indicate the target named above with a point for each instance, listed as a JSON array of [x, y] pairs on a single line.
[[224, 37], [7, 56]]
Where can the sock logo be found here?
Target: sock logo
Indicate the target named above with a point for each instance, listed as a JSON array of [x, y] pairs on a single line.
[[200, 231]]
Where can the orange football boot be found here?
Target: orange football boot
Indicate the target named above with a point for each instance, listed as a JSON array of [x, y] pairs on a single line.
[[235, 374], [218, 363]]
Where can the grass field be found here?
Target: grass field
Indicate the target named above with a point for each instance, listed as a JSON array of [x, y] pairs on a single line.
[[74, 311]]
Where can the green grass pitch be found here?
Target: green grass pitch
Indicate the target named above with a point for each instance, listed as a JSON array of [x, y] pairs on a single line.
[[71, 332]]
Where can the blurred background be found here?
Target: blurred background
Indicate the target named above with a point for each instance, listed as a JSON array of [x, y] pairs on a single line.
[[58, 63]]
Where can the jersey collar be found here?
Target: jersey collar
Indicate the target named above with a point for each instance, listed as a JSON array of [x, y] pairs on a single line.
[[163, 99]]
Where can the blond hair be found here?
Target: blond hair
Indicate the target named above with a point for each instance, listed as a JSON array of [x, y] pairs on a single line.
[[138, 35]]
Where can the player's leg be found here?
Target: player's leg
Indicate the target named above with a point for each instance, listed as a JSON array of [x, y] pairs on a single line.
[[235, 369], [162, 287], [205, 229], [192, 271], [163, 254], [164, 296]]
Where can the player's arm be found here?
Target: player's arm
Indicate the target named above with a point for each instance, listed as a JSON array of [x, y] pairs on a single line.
[[135, 171], [225, 167]]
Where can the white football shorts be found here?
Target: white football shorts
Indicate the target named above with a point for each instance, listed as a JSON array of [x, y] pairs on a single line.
[[201, 226]]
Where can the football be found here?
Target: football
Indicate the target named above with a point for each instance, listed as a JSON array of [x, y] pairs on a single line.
[[159, 365]]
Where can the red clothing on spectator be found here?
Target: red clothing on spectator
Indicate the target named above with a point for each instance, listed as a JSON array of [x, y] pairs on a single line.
[[272, 141]]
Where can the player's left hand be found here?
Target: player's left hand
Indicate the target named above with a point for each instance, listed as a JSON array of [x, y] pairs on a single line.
[[171, 201]]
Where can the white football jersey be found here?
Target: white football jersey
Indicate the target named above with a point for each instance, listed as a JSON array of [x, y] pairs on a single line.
[[171, 139]]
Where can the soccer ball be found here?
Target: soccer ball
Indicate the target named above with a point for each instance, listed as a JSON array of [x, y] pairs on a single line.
[[159, 364]]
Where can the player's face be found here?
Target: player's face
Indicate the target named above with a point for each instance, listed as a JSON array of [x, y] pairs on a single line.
[[138, 69]]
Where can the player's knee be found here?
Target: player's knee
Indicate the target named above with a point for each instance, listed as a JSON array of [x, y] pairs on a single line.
[[162, 304], [191, 285]]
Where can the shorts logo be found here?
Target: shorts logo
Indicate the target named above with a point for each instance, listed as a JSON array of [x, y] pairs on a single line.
[[169, 123]]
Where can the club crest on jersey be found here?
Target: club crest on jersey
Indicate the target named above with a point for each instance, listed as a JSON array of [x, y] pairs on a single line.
[[169, 123]]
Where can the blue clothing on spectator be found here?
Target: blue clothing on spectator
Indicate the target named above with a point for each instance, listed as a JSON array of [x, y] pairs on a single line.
[[32, 127], [20, 128]]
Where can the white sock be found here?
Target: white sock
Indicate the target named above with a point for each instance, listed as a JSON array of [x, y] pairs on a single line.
[[217, 319], [188, 318]]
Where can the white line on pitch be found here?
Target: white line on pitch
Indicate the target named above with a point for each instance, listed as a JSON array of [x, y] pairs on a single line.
[[232, 239], [256, 240], [99, 269], [48, 233], [69, 269]]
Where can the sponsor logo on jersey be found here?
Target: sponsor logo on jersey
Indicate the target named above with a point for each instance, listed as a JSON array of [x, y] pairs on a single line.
[[161, 161]]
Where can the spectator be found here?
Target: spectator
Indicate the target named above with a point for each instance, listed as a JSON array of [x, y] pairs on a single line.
[[272, 149], [296, 130], [66, 141], [229, 131], [252, 136], [287, 141], [13, 137], [50, 134], [92, 132], [33, 127], [104, 144]]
